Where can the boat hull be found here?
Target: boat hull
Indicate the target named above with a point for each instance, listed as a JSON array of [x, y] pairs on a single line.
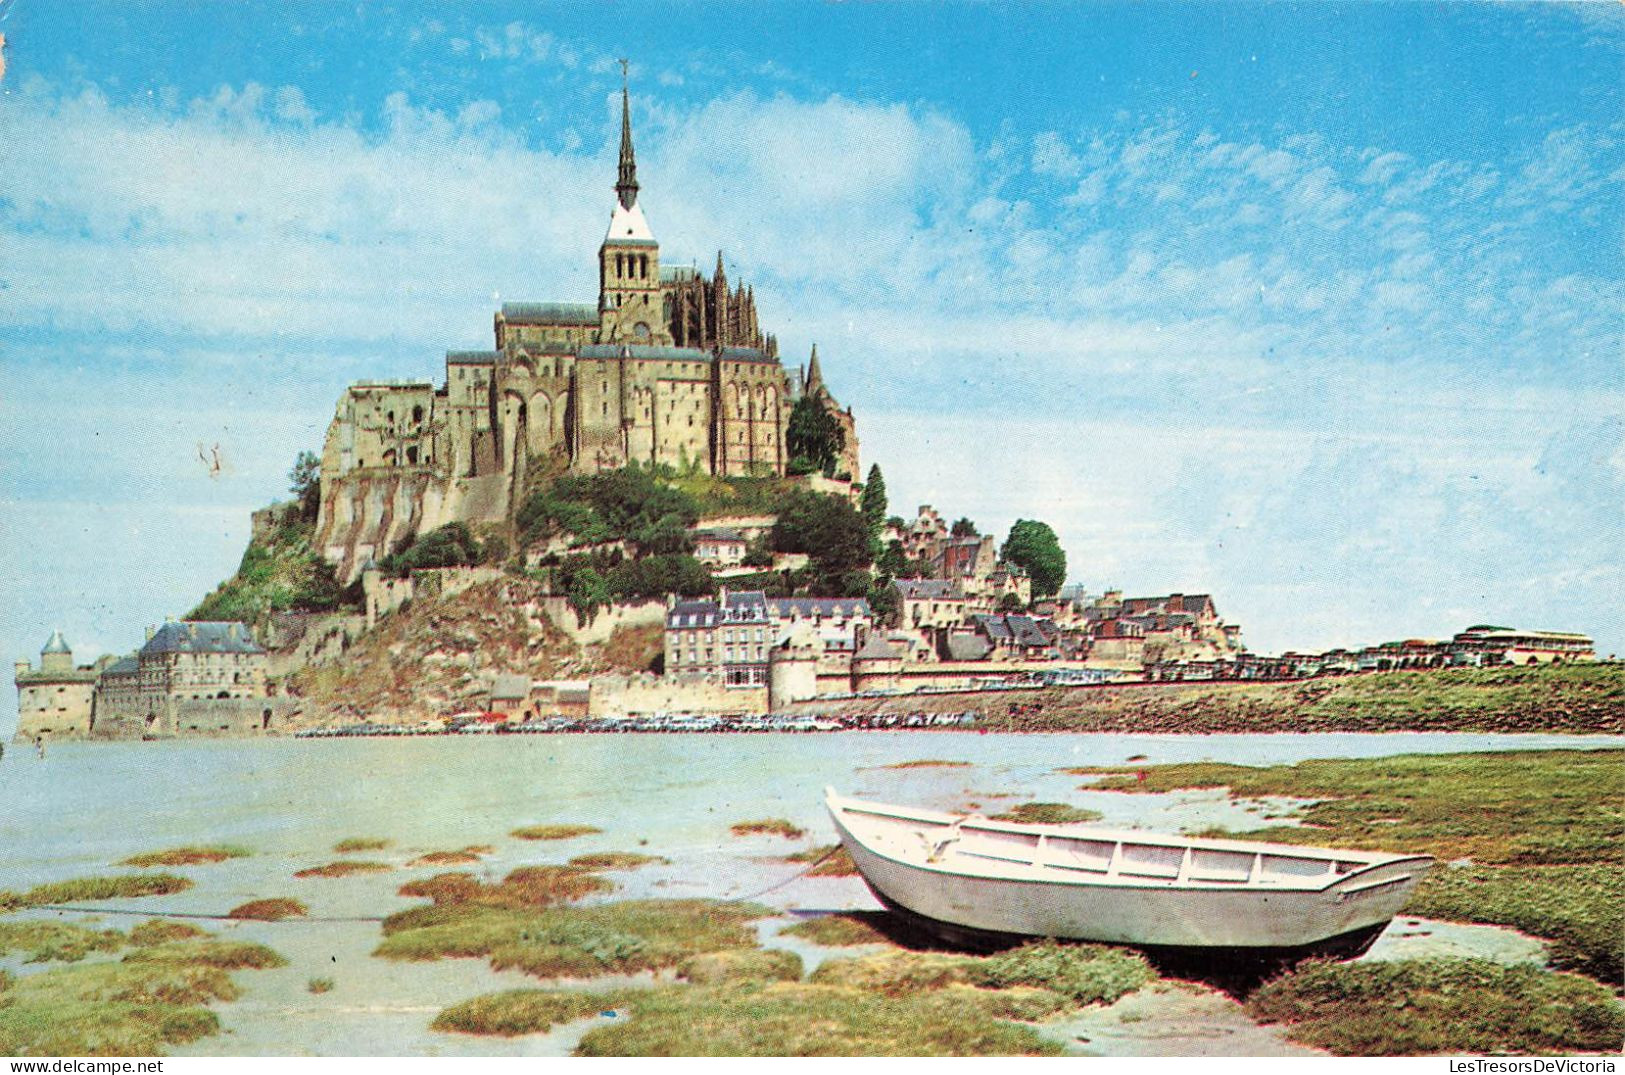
[[965, 908]]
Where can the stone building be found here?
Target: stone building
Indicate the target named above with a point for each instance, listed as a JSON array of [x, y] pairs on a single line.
[[729, 641], [191, 677], [56, 700], [668, 366]]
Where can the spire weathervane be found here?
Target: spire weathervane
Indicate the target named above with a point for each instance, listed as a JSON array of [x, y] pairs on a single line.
[[626, 184]]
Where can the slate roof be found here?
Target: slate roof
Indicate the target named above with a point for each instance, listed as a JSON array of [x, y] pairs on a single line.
[[745, 354], [644, 350], [876, 648], [965, 646], [694, 614], [1018, 630], [472, 358], [808, 607], [927, 589], [124, 666], [57, 644], [201, 637], [719, 534], [555, 313]]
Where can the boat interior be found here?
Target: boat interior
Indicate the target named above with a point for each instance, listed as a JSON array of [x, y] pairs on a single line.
[[975, 844]]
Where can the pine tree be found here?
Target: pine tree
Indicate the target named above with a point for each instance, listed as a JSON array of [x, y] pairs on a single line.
[[873, 503]]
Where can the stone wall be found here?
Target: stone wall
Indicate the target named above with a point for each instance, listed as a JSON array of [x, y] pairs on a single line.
[[618, 696], [562, 616], [182, 718]]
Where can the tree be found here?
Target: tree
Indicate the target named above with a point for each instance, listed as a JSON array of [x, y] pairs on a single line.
[[448, 546], [964, 528], [813, 437], [1033, 546], [873, 502], [1010, 603], [833, 535], [305, 483]]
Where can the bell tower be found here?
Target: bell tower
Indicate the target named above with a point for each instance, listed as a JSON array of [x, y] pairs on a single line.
[[631, 306]]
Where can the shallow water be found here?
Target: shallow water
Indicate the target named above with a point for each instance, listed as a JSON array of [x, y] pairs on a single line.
[[87, 806]]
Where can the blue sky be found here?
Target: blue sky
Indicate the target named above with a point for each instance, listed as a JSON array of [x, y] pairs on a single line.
[[1315, 307]]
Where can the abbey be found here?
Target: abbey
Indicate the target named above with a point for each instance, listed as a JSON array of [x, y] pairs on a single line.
[[667, 367]]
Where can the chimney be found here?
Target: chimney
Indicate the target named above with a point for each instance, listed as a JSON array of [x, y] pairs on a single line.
[[151, 630], [23, 668]]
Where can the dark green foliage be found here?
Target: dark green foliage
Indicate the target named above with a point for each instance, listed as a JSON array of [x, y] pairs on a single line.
[[451, 545], [656, 576], [1033, 546], [813, 437], [1047, 814], [1010, 603], [835, 537], [757, 554], [873, 502], [304, 482], [963, 527], [1083, 973], [1421, 1007], [883, 600], [279, 573]]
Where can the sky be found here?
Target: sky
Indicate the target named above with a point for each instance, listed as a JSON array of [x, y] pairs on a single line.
[[1313, 307]]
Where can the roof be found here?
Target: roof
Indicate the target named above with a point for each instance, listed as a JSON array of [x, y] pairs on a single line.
[[820, 606], [124, 666], [694, 614], [965, 646], [472, 358], [719, 534], [876, 649], [202, 637], [627, 227], [1020, 630], [568, 313], [678, 272], [56, 644], [927, 589], [510, 686], [745, 354], [643, 350]]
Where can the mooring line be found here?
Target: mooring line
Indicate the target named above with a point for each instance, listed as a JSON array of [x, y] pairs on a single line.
[[811, 866], [199, 914]]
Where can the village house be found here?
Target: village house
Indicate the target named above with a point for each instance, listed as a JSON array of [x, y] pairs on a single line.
[[56, 700], [728, 640]]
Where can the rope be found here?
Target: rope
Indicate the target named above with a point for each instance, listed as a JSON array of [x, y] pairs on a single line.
[[196, 914], [810, 867]]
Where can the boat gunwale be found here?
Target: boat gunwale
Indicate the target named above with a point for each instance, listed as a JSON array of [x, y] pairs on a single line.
[[1091, 879]]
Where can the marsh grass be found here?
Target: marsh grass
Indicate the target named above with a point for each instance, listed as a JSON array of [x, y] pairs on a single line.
[[522, 1011], [928, 763], [1514, 808], [344, 868], [460, 857], [354, 844], [838, 864], [768, 826], [1047, 814], [186, 856], [56, 941], [1420, 1007], [270, 910], [554, 832], [615, 860], [566, 941], [162, 931], [155, 997], [119, 886], [844, 929], [1580, 909], [319, 986], [741, 965]]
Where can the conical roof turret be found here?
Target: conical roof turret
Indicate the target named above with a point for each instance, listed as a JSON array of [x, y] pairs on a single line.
[[56, 644]]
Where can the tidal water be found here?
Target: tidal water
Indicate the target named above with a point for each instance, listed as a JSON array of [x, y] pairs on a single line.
[[86, 806]]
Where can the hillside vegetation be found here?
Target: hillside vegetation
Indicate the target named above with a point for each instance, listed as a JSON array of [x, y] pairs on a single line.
[[280, 573], [1548, 698]]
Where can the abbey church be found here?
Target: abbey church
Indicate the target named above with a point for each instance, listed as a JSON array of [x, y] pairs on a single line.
[[667, 367]]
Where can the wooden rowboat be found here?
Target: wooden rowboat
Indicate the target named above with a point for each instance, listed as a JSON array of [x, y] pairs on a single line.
[[974, 881]]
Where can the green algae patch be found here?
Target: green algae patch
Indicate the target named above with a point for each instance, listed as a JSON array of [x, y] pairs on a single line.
[[56, 941], [521, 1011], [344, 868], [460, 857], [272, 910], [355, 844], [844, 929], [801, 1019], [768, 826], [318, 986], [1541, 807], [222, 954], [1580, 909], [1422, 1007], [186, 856], [526, 887], [554, 832], [615, 860], [832, 860], [568, 941], [162, 931], [1047, 814], [129, 1008], [1076, 974], [928, 763], [741, 965], [117, 887]]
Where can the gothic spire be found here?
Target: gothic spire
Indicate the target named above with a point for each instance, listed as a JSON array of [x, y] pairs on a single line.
[[815, 376], [626, 185]]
